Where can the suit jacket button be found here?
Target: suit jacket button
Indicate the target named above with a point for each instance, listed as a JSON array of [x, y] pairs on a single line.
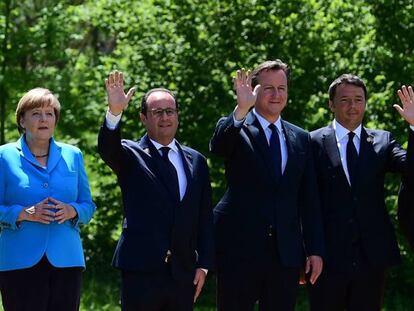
[[45, 185]]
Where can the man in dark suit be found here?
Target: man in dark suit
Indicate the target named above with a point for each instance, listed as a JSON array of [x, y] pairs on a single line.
[[351, 162], [268, 222], [166, 245]]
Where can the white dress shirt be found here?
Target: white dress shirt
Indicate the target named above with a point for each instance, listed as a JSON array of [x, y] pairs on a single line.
[[268, 132], [112, 122], [342, 138]]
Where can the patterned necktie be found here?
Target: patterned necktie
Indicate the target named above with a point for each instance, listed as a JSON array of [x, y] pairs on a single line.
[[171, 171], [275, 152], [351, 157]]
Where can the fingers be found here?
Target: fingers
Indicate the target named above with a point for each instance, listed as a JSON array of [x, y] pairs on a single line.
[[199, 280], [130, 93], [307, 266], [399, 109], [256, 89], [54, 201], [316, 264]]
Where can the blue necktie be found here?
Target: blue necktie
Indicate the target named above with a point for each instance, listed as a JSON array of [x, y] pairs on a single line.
[[171, 171], [275, 152]]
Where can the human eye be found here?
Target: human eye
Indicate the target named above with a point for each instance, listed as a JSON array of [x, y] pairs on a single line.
[[169, 112], [157, 112]]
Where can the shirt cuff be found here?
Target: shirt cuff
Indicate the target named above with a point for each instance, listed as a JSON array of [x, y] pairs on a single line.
[[412, 127], [112, 120], [237, 123], [204, 270]]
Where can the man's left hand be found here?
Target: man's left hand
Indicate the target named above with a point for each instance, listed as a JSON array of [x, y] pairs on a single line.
[[199, 279], [314, 265]]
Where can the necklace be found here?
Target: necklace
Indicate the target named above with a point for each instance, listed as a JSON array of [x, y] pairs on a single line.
[[41, 156]]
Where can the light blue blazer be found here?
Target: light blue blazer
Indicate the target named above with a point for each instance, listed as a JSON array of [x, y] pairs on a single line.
[[23, 183]]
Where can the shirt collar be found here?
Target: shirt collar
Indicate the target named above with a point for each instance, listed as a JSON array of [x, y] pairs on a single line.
[[264, 123], [172, 145], [341, 132]]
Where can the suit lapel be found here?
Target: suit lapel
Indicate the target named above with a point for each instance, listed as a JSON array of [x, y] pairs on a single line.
[[331, 148], [157, 165], [365, 157], [290, 145], [187, 160], [260, 141]]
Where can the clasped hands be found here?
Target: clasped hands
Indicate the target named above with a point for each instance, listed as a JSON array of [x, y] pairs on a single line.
[[47, 211]]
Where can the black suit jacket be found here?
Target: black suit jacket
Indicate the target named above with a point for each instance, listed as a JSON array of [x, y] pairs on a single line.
[[362, 207], [406, 210], [253, 195], [155, 221]]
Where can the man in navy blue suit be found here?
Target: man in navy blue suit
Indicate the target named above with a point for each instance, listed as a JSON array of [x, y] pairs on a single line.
[[268, 223], [351, 162], [166, 245]]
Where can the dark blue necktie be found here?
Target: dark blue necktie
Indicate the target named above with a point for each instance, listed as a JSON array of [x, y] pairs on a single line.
[[172, 172], [351, 157], [275, 152]]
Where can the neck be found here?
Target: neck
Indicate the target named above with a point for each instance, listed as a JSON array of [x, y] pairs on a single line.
[[39, 149]]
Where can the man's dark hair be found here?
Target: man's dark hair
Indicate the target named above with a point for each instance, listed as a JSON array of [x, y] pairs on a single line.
[[269, 65], [144, 106], [346, 78]]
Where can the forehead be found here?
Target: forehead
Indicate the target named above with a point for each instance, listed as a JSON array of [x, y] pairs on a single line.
[[274, 77], [348, 90], [160, 99]]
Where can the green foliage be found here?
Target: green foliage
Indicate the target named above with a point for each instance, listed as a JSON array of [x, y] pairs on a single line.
[[194, 47]]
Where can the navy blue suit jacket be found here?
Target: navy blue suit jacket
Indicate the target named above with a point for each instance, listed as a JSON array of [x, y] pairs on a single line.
[[155, 221], [362, 207], [253, 195]]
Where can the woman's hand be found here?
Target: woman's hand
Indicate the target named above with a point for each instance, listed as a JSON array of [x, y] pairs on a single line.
[[40, 212], [64, 211]]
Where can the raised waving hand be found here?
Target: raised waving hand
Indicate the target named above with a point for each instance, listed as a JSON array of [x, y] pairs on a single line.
[[406, 96], [117, 99], [246, 97]]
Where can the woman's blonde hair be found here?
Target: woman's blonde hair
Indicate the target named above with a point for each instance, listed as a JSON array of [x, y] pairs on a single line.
[[36, 98]]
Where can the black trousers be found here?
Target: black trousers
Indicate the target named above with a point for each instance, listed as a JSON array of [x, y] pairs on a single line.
[[155, 292], [359, 289], [268, 282], [42, 287]]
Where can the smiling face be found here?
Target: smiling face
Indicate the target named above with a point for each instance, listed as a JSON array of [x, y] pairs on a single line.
[[273, 94], [348, 105], [39, 123], [161, 126]]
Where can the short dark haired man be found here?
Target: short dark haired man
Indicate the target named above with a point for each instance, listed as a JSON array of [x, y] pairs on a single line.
[[268, 221], [166, 245], [351, 162]]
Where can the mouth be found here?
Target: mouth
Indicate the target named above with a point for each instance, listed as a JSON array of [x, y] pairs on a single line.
[[43, 128]]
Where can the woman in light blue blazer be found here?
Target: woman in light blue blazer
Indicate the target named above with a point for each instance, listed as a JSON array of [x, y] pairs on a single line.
[[44, 197]]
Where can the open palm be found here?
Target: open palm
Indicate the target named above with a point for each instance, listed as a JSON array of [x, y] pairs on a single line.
[[117, 99]]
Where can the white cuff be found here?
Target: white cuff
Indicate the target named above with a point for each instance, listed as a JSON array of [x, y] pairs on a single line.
[[112, 120]]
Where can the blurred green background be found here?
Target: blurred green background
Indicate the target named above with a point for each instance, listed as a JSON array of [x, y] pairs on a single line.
[[194, 47]]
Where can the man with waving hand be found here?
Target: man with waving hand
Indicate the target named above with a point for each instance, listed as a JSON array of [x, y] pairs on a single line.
[[166, 245], [268, 223], [351, 162]]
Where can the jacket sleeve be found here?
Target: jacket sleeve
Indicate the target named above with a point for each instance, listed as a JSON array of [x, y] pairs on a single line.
[[84, 205], [8, 213], [310, 208], [110, 147], [205, 243], [225, 136]]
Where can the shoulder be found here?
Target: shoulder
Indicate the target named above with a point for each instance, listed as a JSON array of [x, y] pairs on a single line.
[[319, 132], [8, 148], [68, 149], [294, 128]]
